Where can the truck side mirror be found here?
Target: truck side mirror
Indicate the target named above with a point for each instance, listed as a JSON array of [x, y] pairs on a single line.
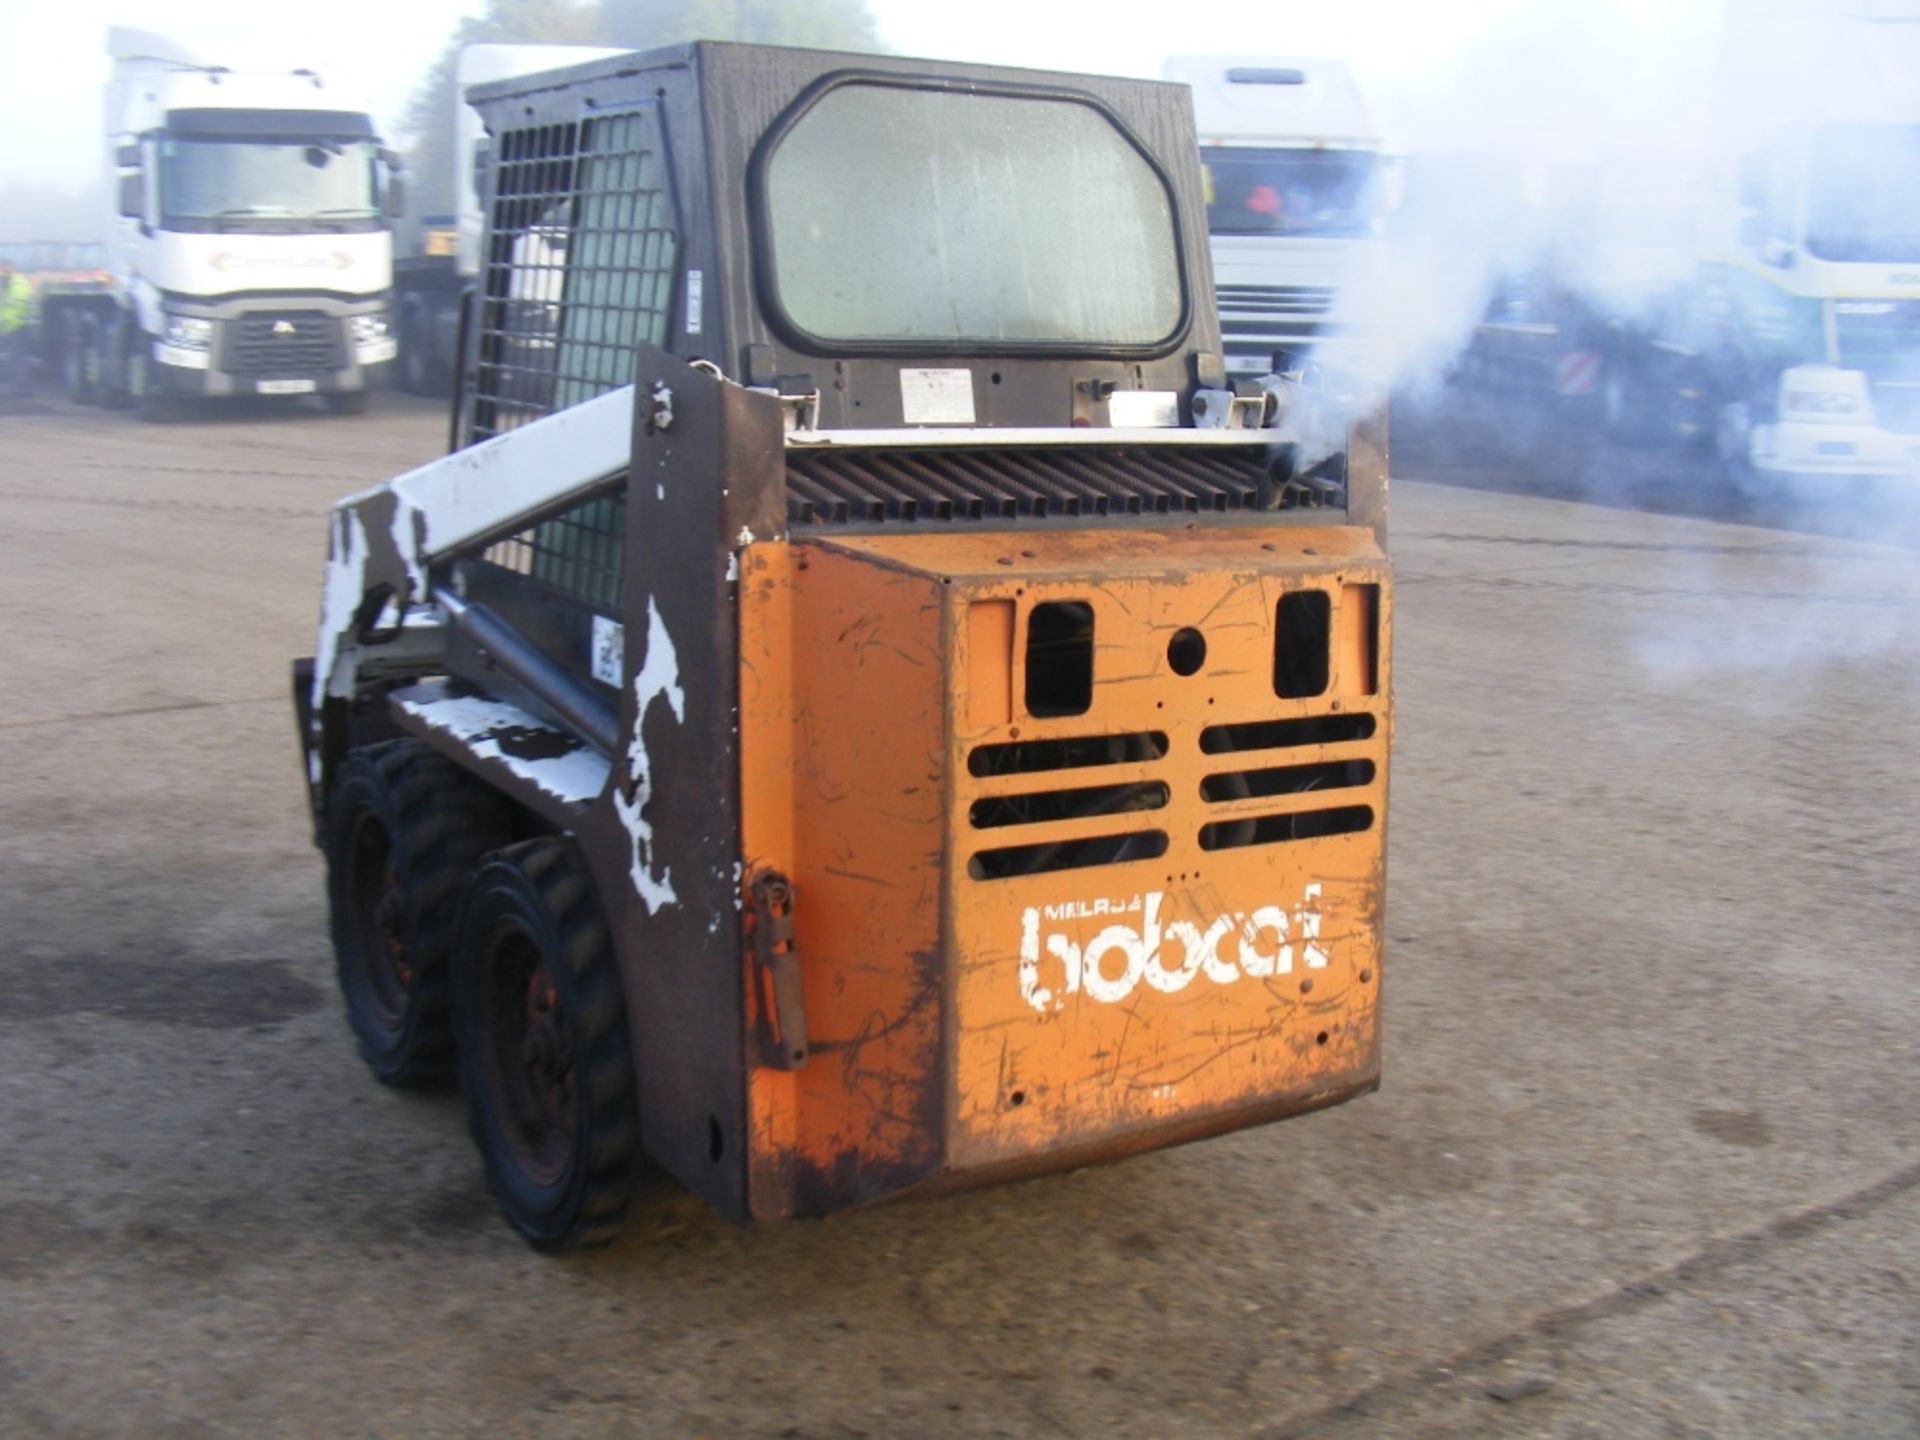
[[396, 202], [133, 196]]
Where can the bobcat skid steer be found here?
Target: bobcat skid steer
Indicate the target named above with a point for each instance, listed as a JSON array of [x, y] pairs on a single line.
[[868, 706]]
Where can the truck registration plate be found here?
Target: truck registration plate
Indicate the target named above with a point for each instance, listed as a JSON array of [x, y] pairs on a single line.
[[284, 387]]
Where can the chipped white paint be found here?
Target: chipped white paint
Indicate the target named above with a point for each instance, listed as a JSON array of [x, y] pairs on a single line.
[[482, 490], [744, 538], [575, 777], [659, 677], [661, 416], [733, 566], [1112, 966], [341, 592]]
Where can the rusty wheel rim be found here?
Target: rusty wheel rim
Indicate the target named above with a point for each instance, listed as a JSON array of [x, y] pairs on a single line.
[[529, 1059], [377, 909]]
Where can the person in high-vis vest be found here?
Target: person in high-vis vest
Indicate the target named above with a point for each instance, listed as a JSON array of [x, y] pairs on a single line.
[[16, 316]]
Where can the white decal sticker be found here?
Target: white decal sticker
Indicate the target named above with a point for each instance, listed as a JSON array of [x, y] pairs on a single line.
[[609, 650], [693, 302], [1143, 409], [936, 397], [1165, 955], [659, 676]]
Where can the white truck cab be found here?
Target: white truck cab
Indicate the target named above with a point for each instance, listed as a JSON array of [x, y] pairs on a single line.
[[1807, 315], [1292, 164], [252, 250]]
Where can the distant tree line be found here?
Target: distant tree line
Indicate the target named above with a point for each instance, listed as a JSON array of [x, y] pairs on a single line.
[[630, 24]]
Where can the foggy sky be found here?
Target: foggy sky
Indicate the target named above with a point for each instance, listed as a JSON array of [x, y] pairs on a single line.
[[1539, 75]]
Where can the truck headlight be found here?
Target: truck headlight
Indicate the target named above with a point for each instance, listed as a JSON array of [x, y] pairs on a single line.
[[189, 333], [369, 328], [1823, 392]]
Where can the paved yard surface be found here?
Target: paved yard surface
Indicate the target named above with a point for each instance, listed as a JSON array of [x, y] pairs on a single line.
[[1646, 1160]]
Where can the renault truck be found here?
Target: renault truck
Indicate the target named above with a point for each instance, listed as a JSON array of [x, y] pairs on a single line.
[[250, 250]]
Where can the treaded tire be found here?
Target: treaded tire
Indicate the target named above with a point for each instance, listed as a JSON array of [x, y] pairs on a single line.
[[80, 360], [544, 1056], [406, 830]]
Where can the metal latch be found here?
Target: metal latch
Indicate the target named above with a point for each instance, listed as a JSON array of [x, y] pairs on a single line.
[[776, 965], [1244, 407]]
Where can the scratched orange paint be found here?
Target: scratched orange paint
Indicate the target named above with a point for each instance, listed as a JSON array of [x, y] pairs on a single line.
[[961, 1022]]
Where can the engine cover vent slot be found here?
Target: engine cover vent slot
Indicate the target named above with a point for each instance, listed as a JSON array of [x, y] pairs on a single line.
[[1078, 752], [1285, 734], [1079, 854], [1044, 806], [1286, 780], [1278, 829]]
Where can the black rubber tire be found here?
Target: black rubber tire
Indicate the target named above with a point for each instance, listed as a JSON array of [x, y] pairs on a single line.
[[559, 1130], [416, 358], [424, 825], [79, 369], [116, 354], [346, 402], [149, 403]]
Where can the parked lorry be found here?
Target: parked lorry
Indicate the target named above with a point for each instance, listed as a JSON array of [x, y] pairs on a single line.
[[431, 282], [870, 707], [1586, 265], [1799, 358], [250, 251], [1291, 171]]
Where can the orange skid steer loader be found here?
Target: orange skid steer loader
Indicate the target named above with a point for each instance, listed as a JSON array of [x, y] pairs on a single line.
[[868, 706]]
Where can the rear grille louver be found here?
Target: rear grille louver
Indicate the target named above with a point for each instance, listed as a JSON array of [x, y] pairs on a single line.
[[1301, 779], [871, 487]]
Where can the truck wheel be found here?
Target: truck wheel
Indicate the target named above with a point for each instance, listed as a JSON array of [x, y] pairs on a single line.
[[148, 402], [347, 402], [416, 359], [406, 830], [117, 352], [544, 1057], [80, 360]]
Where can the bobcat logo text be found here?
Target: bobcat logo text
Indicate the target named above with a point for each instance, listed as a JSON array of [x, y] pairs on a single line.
[[1139, 947]]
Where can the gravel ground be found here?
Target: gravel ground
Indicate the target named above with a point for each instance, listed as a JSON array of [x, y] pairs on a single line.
[[1646, 1160]]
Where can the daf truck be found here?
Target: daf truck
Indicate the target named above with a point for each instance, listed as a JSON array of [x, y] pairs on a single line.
[[1291, 170], [250, 252]]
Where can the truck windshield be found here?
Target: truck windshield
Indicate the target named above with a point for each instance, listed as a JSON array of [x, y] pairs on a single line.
[[1289, 192], [935, 217], [225, 184], [1863, 201]]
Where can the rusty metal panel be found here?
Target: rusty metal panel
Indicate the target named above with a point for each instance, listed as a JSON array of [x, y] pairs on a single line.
[[1034, 939], [664, 842]]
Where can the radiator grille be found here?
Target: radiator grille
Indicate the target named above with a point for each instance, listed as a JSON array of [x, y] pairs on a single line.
[[288, 345], [1303, 301], [869, 487], [1267, 783]]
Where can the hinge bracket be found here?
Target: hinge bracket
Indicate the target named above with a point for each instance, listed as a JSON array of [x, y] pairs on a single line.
[[776, 965]]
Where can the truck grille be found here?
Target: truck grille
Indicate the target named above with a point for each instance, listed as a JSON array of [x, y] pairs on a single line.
[[868, 487], [1292, 301], [283, 345]]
